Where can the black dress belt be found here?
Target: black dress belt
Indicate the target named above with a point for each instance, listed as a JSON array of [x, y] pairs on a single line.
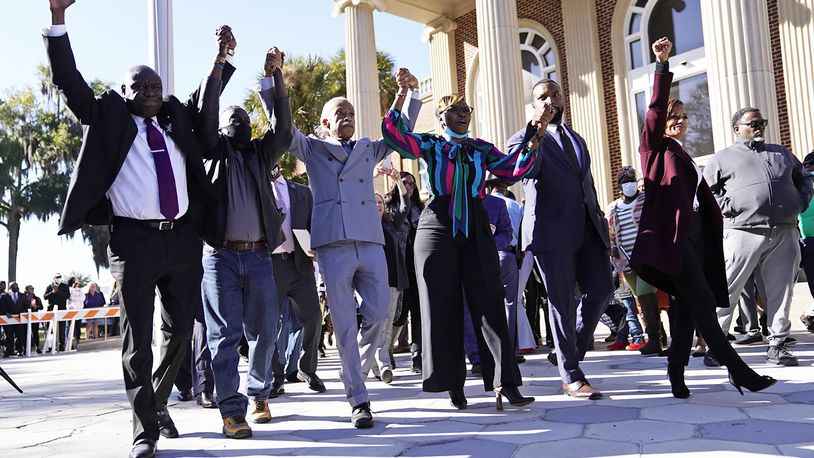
[[155, 224]]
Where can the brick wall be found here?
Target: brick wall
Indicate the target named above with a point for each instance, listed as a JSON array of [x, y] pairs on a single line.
[[777, 63], [604, 24]]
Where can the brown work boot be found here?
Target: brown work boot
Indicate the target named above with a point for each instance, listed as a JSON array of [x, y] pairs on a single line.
[[236, 428], [260, 413]]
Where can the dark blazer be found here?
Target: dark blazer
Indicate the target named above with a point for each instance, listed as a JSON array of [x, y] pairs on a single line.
[[558, 199], [57, 297], [109, 134], [9, 306], [302, 204], [670, 182], [266, 152]]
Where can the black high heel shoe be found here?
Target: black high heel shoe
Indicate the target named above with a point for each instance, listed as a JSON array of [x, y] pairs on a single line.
[[755, 384], [512, 394], [458, 399], [677, 385]]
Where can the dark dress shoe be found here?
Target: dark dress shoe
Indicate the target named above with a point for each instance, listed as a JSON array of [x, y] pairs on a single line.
[[313, 381], [185, 395], [750, 339], [143, 449], [277, 387], [457, 398], [520, 359], [512, 394], [292, 377], [166, 427], [205, 400], [552, 358], [581, 389], [361, 417]]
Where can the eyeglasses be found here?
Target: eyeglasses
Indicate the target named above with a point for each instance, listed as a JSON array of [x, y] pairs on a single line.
[[756, 124], [459, 110]]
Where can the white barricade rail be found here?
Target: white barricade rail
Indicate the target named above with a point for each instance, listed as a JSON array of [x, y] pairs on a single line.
[[53, 318]]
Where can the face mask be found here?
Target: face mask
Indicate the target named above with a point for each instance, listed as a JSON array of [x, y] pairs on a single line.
[[630, 188], [452, 134], [240, 134]]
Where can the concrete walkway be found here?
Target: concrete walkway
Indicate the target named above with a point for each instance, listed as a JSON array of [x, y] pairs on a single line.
[[74, 406]]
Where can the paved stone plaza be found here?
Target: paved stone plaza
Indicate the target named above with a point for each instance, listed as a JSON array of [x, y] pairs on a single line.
[[75, 406]]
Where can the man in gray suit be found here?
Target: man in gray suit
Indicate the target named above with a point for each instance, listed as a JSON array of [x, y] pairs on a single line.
[[565, 229], [347, 237]]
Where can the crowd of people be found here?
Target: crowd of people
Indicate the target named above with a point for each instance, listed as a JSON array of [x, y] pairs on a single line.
[[466, 272], [59, 295]]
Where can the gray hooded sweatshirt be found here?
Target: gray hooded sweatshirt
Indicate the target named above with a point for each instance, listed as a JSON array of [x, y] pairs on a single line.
[[758, 187]]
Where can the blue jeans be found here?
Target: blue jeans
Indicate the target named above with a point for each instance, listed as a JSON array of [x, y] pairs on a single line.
[[239, 296], [632, 327], [289, 344]]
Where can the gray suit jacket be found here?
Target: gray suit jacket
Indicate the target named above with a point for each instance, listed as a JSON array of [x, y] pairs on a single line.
[[344, 202]]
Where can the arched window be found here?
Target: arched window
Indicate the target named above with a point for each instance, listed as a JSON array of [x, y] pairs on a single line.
[[539, 59], [680, 21]]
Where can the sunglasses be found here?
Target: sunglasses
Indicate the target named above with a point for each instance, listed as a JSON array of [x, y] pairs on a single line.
[[756, 124]]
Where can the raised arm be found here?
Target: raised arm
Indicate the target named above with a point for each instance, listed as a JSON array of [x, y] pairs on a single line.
[[520, 158], [204, 103], [274, 96], [78, 94], [655, 121]]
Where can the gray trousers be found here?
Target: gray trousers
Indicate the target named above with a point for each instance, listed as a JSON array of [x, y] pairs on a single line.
[[381, 353], [359, 266], [747, 307], [509, 275], [773, 257]]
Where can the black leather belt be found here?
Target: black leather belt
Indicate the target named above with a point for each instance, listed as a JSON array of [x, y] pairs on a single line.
[[156, 224], [239, 245]]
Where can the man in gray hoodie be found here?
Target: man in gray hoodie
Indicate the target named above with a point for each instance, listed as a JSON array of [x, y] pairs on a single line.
[[762, 189]]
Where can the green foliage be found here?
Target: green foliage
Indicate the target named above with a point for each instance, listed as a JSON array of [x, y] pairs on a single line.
[[39, 141], [312, 81]]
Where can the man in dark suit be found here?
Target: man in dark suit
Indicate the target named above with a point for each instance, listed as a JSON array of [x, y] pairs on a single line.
[[57, 295], [14, 303], [140, 171], [294, 272], [565, 229]]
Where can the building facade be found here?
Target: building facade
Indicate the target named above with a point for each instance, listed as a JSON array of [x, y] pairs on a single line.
[[727, 54]]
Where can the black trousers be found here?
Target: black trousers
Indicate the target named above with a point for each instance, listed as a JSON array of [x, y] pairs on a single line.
[[195, 372], [695, 307], [301, 287], [447, 268], [141, 260]]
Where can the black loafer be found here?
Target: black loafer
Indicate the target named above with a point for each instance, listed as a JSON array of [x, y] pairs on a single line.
[[166, 427], [552, 358], [292, 378], [205, 400], [313, 381], [143, 449], [185, 395], [277, 388]]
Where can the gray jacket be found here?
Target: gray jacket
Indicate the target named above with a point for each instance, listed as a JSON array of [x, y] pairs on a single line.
[[758, 188], [344, 202]]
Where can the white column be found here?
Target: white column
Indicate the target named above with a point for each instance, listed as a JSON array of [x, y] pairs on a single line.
[[360, 61], [585, 95], [159, 42], [440, 35], [739, 64], [499, 56], [797, 46]]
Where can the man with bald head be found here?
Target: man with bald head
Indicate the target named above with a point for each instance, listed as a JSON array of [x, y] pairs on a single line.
[[140, 171]]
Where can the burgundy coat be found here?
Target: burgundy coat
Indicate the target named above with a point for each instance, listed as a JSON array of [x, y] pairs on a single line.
[[670, 183]]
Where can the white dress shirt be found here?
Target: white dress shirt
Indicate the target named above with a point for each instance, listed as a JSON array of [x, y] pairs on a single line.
[[284, 202], [552, 130], [134, 192]]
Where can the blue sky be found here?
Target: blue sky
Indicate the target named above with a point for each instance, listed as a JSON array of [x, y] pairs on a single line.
[[108, 38]]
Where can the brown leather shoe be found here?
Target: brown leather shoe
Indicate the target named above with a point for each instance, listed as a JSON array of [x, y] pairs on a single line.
[[236, 428], [581, 389], [260, 413]]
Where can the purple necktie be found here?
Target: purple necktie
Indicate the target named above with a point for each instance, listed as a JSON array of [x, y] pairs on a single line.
[[167, 197]]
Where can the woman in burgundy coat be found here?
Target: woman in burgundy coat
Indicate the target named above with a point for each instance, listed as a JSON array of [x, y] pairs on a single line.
[[679, 248]]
